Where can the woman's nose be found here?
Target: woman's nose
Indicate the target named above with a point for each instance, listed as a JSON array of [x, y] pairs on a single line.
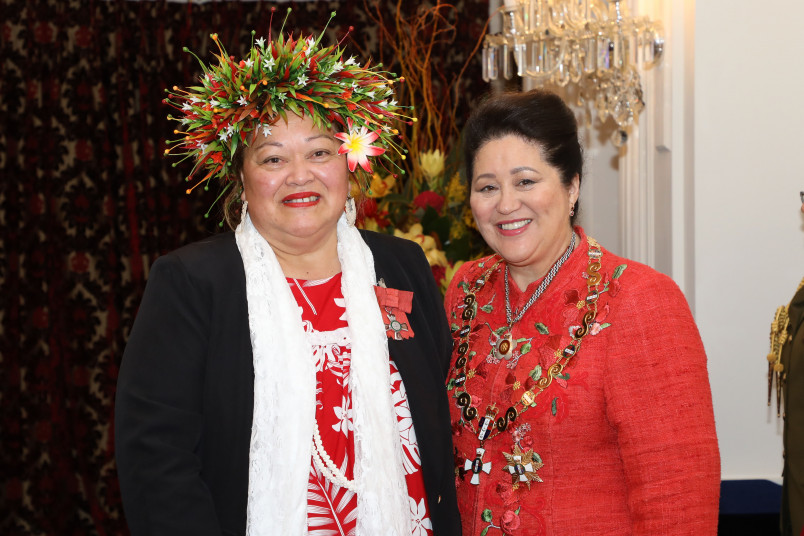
[[508, 201], [299, 173]]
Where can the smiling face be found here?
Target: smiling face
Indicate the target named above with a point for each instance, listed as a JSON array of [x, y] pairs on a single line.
[[521, 207], [295, 184]]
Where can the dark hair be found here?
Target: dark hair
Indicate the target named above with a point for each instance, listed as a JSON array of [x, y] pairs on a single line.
[[231, 204], [537, 116]]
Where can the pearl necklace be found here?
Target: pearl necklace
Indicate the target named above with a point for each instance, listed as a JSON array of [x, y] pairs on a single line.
[[327, 466]]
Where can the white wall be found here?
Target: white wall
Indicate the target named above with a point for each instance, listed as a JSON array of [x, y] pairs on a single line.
[[749, 232]]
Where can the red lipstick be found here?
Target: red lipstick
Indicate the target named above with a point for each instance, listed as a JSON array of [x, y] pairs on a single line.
[[301, 199]]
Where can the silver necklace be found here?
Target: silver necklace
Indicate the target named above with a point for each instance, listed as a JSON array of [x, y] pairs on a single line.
[[539, 290]]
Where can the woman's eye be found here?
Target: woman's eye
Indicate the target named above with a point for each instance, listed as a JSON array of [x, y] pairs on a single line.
[[271, 160], [487, 188], [321, 153], [527, 182]]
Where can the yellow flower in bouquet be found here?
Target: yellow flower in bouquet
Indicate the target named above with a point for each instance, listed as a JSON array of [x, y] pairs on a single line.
[[456, 191], [380, 187], [449, 273], [432, 164], [354, 189], [457, 229], [468, 218], [435, 256]]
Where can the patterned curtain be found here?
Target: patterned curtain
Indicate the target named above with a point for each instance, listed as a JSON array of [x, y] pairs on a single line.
[[87, 202]]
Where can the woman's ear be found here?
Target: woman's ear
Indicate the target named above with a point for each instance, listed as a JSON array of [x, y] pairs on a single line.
[[242, 187], [574, 190]]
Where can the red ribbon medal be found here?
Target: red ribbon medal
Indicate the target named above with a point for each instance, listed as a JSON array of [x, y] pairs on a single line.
[[394, 305]]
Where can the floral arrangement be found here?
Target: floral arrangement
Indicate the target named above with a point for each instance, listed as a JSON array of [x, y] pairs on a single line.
[[427, 203]]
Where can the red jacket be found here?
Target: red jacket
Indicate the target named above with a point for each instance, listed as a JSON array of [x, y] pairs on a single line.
[[621, 443]]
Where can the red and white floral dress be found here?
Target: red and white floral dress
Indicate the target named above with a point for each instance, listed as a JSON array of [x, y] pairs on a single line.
[[331, 509]]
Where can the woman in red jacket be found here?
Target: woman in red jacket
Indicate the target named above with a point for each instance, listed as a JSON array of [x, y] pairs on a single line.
[[580, 397]]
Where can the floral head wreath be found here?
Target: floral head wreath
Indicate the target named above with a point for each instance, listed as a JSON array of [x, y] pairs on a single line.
[[277, 76]]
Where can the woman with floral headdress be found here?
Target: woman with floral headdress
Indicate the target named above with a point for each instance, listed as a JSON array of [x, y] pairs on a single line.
[[287, 377]]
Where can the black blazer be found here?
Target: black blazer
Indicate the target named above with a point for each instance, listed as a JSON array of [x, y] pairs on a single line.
[[185, 392]]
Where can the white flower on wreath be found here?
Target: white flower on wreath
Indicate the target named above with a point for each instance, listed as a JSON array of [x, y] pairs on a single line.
[[344, 416], [420, 523]]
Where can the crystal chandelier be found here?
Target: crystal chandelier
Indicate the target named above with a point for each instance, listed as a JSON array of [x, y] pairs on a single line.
[[594, 44]]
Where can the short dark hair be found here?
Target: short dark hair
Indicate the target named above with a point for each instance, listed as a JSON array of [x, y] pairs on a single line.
[[537, 116]]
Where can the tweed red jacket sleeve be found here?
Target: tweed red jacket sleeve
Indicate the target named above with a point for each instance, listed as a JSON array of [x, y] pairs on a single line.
[[659, 401]]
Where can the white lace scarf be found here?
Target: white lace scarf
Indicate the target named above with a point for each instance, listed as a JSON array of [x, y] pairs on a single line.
[[284, 396]]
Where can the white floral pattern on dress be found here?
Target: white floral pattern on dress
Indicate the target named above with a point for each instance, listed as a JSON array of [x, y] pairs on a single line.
[[420, 523], [343, 414], [412, 460], [332, 510]]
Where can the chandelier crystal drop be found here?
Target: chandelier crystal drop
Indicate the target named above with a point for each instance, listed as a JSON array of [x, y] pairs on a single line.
[[594, 44]]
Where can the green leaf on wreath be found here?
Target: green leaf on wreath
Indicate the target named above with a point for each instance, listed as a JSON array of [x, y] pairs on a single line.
[[541, 328], [235, 139], [525, 348], [486, 515], [619, 271]]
